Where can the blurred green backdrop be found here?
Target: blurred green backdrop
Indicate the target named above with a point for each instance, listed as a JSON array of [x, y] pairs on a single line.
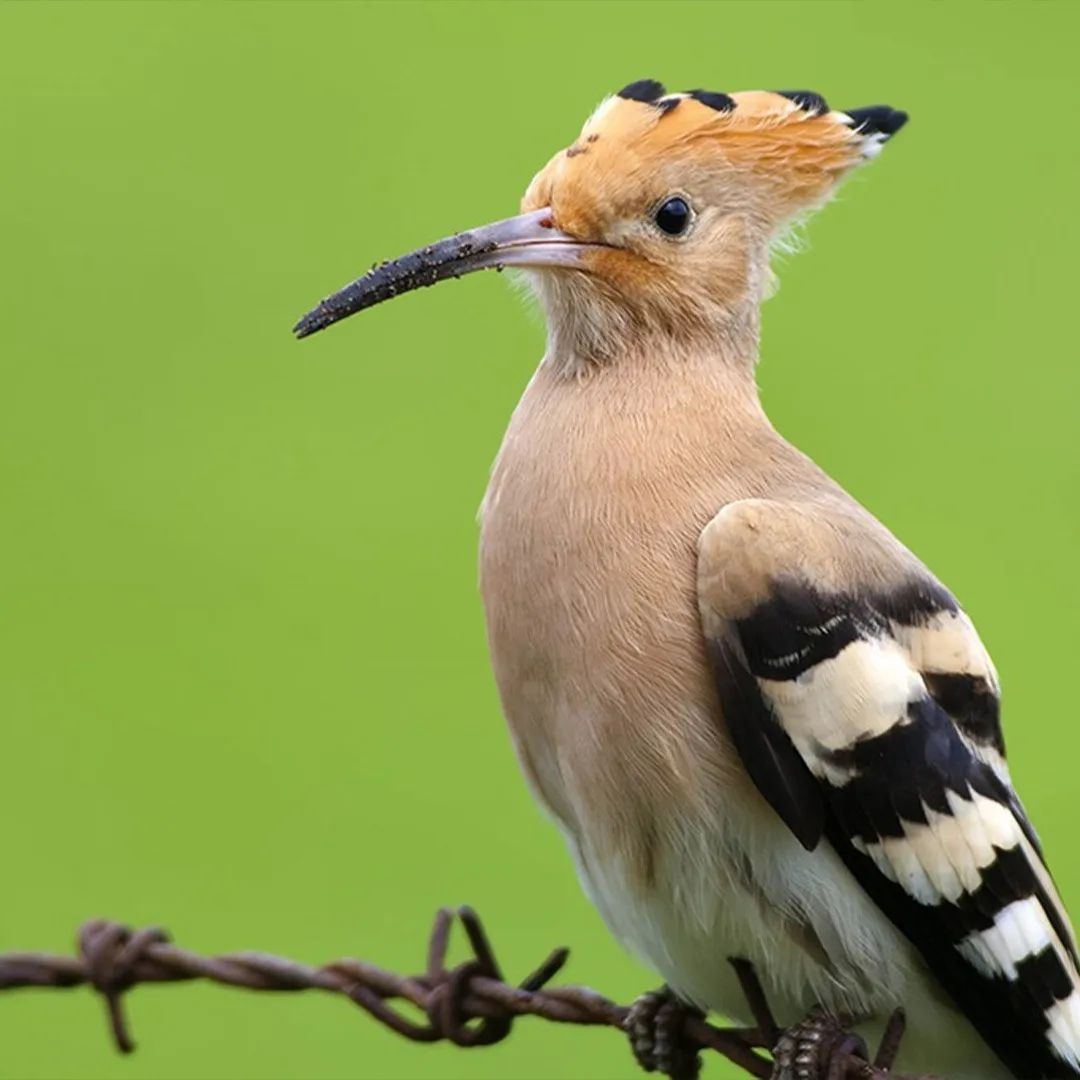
[[244, 683]]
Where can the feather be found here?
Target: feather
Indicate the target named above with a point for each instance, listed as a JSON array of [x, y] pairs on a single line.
[[871, 716]]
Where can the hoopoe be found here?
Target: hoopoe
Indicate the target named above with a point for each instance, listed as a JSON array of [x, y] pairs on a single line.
[[762, 725]]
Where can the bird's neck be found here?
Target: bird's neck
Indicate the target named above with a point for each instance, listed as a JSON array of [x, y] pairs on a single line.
[[658, 393], [589, 331], [670, 415], [659, 418]]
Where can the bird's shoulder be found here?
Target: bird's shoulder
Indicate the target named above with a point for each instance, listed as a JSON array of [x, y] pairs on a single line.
[[839, 625], [823, 571], [825, 538]]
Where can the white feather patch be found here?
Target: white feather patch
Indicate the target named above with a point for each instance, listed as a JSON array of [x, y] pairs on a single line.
[[872, 144], [921, 844], [1048, 887], [944, 858], [859, 693], [947, 644], [1064, 1034], [1002, 829], [963, 840], [908, 870], [1020, 930]]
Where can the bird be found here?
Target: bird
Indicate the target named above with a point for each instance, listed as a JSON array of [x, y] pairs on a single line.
[[763, 727]]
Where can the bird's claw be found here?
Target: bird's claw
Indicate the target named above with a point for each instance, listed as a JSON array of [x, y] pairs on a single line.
[[655, 1026], [816, 1047]]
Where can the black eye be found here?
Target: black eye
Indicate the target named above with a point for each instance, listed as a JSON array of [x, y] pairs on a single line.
[[673, 216]]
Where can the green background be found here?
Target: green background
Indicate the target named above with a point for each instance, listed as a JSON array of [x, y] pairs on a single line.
[[243, 675]]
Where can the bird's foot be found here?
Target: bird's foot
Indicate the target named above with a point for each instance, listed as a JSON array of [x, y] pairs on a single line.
[[817, 1048], [655, 1026]]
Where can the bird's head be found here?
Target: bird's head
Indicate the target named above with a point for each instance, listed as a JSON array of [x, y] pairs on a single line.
[[658, 218]]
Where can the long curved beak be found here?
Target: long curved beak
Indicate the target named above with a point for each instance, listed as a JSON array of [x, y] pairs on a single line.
[[527, 240]]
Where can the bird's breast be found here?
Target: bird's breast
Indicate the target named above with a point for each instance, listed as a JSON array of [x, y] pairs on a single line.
[[588, 574]]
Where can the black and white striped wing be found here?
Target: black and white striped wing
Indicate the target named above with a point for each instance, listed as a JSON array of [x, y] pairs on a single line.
[[870, 721]]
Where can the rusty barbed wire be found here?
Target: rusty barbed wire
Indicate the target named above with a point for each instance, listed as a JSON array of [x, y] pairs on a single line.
[[469, 1005]]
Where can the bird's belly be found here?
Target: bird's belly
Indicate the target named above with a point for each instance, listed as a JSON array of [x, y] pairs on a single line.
[[687, 877], [689, 925]]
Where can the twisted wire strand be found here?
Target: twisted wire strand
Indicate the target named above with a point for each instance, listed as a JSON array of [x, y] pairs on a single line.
[[470, 1004]]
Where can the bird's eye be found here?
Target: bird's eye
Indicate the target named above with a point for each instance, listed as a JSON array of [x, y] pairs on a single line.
[[673, 217]]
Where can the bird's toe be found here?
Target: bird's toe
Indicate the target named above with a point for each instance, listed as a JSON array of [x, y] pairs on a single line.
[[655, 1026], [817, 1048]]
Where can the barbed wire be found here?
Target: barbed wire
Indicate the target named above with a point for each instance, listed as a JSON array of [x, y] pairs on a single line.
[[469, 1005]]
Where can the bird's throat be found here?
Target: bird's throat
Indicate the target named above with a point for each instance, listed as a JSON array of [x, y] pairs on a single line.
[[591, 326]]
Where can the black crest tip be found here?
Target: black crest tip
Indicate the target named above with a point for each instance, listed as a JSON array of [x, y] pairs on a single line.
[[714, 100], [808, 100], [647, 90], [878, 120]]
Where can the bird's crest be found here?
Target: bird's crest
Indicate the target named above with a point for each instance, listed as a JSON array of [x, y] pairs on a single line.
[[790, 139]]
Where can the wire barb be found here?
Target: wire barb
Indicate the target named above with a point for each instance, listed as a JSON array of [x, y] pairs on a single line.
[[469, 1004]]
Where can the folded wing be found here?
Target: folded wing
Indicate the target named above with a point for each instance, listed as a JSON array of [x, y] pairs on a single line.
[[866, 710]]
